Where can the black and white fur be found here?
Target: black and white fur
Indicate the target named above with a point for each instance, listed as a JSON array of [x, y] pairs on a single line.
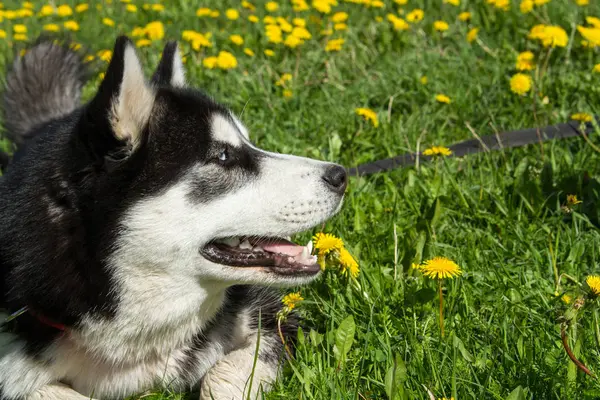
[[102, 217]]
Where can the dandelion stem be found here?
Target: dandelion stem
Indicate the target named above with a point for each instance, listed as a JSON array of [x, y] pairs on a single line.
[[285, 346], [441, 308], [579, 364]]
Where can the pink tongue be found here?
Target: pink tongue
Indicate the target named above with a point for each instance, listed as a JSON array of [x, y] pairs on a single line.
[[289, 249]]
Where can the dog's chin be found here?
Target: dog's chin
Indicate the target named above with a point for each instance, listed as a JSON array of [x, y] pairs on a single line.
[[252, 256]]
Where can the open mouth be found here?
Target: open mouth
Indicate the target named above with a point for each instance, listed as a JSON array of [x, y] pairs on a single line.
[[276, 254]]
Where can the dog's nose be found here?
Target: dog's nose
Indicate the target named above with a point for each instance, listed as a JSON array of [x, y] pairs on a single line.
[[336, 178]]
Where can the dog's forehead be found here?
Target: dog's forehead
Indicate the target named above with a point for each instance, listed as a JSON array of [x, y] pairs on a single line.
[[227, 129]]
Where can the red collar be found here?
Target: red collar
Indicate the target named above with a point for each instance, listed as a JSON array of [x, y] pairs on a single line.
[[47, 321]]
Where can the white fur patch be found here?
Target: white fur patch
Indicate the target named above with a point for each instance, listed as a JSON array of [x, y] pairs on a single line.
[[224, 131], [178, 75], [241, 127], [133, 105]]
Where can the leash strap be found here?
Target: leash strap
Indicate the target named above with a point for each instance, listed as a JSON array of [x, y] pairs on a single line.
[[498, 141]]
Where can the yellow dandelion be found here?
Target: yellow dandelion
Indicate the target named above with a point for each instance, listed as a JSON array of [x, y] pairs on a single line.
[[155, 30], [401, 2], [46, 10], [526, 6], [300, 22], [236, 39], [423, 80], [247, 5], [325, 243], [472, 34], [249, 52], [464, 16], [253, 18], [271, 6], [143, 43], [415, 15], [20, 28], [572, 200], [583, 117], [82, 7], [348, 263], [64, 11], [215, 14], [269, 53], [132, 8], [71, 25], [210, 62], [591, 36], [283, 79], [442, 98], [440, 267], [525, 61], [158, 7], [520, 84], [452, 2], [334, 45], [566, 298], [51, 27], [440, 26], [105, 55], [291, 300], [203, 12], [339, 17], [20, 37], [594, 21], [437, 151], [323, 6], [582, 2], [368, 115], [108, 21], [226, 60], [593, 282], [2, 34], [399, 23], [596, 68], [287, 93], [232, 14]]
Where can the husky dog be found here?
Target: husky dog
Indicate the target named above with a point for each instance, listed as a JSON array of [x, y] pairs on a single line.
[[141, 232]]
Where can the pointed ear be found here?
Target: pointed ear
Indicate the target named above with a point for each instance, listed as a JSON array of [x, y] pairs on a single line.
[[124, 100], [170, 71]]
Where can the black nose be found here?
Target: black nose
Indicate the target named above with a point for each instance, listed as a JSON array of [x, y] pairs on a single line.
[[336, 178]]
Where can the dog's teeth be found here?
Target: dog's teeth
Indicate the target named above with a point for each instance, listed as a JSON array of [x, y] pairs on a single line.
[[305, 253], [245, 245], [257, 249], [231, 242], [309, 246]]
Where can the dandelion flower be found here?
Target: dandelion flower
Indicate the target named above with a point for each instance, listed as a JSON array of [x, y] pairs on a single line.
[[20, 28], [368, 115], [582, 2], [155, 30], [2, 34], [291, 300], [593, 21], [284, 78], [423, 80], [232, 14], [46, 10], [226, 60], [334, 45], [440, 26], [591, 35], [105, 55], [572, 200], [520, 84], [71, 25], [300, 22], [472, 35], [464, 16], [203, 12], [596, 68], [440, 267], [442, 98], [525, 61], [253, 18], [51, 27], [269, 53], [323, 6], [236, 39], [452, 2], [339, 17], [132, 8], [401, 2], [158, 7], [20, 37], [143, 43], [583, 117], [248, 5], [287, 93], [108, 22], [82, 7], [526, 6], [399, 23], [272, 6], [210, 62], [415, 15], [326, 243], [437, 151], [64, 11], [566, 298], [348, 263], [593, 282]]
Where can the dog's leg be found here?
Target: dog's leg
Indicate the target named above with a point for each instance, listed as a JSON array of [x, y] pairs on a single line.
[[57, 391], [241, 374]]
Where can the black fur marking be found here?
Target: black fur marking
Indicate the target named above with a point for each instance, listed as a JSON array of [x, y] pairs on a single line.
[[164, 72]]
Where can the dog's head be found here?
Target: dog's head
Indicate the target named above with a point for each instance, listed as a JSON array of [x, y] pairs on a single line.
[[196, 197]]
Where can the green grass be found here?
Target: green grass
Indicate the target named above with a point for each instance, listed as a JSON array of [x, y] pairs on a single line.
[[497, 215]]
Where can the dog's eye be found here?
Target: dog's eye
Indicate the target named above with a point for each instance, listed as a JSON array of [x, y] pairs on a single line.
[[223, 155]]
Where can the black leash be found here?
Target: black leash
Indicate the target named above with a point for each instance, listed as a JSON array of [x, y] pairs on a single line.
[[483, 144]]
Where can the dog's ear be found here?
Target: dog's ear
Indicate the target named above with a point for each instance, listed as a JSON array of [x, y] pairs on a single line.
[[124, 100], [170, 71]]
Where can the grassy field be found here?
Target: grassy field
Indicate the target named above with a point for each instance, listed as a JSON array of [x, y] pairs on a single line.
[[500, 216]]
